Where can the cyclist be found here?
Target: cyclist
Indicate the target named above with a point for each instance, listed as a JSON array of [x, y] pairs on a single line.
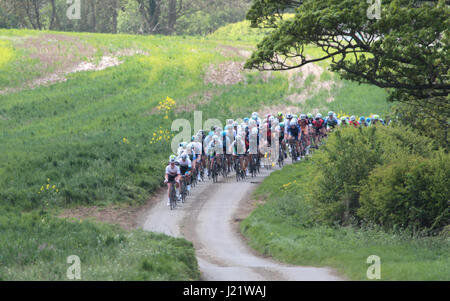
[[253, 140], [318, 126], [376, 120], [214, 148], [294, 136], [353, 121], [185, 168], [362, 121], [304, 126], [281, 139], [238, 148], [343, 121], [181, 148], [280, 117], [195, 156], [331, 122], [226, 148], [173, 175]]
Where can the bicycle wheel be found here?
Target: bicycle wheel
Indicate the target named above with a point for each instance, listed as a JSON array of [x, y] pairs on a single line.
[[173, 197]]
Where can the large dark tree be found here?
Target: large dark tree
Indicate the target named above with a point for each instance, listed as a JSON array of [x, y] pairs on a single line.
[[407, 49]]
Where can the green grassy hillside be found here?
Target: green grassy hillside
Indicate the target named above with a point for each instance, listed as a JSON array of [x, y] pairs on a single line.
[[102, 137]]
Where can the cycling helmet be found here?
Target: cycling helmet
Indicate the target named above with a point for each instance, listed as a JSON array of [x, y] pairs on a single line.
[[343, 118], [289, 116], [362, 118], [353, 118], [280, 114], [235, 124], [295, 116], [172, 159], [319, 116], [369, 120], [193, 138], [183, 157], [302, 116], [246, 119], [331, 113], [376, 117], [293, 122], [310, 116], [210, 134], [183, 144], [282, 124]]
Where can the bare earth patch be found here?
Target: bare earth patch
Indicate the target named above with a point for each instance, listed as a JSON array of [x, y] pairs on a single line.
[[64, 55], [231, 51], [125, 217], [227, 73]]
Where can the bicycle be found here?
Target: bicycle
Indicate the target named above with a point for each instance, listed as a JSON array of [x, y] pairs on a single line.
[[280, 156], [183, 189], [293, 150], [215, 171], [173, 197]]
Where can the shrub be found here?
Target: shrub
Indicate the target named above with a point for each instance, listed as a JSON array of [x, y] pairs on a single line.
[[347, 158], [411, 192]]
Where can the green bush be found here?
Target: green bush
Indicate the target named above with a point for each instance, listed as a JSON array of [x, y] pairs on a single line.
[[410, 192], [346, 159], [349, 157]]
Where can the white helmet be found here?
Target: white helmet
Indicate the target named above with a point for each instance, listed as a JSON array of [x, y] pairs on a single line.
[[331, 113], [353, 118], [319, 115]]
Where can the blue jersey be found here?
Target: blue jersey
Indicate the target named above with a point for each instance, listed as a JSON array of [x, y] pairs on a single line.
[[294, 131]]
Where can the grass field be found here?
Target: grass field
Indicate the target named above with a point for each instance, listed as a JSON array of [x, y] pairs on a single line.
[[282, 228], [99, 138]]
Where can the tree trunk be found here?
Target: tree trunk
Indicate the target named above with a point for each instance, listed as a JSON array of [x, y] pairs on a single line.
[[114, 8], [172, 18], [36, 4], [54, 21], [93, 11]]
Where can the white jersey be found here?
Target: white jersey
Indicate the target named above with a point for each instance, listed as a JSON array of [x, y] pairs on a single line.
[[214, 147], [253, 146], [238, 147], [208, 140], [186, 163], [195, 147], [173, 171]]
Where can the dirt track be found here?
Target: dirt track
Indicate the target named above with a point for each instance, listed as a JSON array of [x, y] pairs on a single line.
[[209, 219]]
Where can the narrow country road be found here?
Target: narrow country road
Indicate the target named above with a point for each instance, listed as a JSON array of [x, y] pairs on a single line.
[[210, 219]]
